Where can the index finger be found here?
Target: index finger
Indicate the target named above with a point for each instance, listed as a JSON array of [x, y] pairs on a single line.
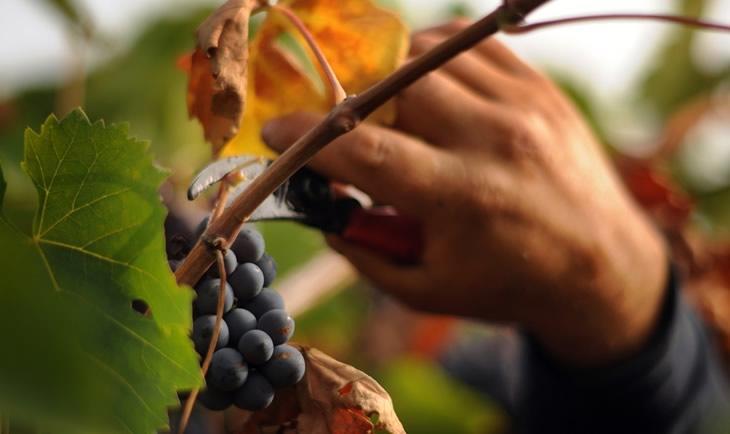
[[391, 167]]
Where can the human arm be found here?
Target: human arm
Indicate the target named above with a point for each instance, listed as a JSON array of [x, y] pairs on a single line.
[[524, 219]]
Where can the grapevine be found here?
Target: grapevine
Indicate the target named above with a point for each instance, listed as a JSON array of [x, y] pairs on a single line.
[[215, 330]]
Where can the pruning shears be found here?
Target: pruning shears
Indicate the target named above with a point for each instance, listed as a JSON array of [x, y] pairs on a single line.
[[312, 200]]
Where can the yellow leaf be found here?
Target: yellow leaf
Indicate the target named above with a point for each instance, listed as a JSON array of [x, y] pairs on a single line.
[[363, 43]]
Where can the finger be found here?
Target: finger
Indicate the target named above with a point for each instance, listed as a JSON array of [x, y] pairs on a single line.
[[405, 283], [445, 112], [471, 69], [490, 49], [391, 167]]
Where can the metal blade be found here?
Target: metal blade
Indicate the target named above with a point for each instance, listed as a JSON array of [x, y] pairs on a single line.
[[250, 166], [275, 207]]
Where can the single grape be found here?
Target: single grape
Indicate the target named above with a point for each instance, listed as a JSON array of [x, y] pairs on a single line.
[[249, 245], [286, 366], [255, 394], [227, 370], [278, 325], [202, 226], [214, 399], [230, 262], [267, 300], [247, 281], [207, 300], [239, 321], [203, 331], [268, 267], [256, 347]]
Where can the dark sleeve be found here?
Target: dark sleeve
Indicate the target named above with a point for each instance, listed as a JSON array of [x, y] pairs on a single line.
[[675, 384]]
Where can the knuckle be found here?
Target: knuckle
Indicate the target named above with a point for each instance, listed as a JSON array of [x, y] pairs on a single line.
[[371, 151]]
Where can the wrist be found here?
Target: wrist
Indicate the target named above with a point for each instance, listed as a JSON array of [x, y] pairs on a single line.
[[611, 317]]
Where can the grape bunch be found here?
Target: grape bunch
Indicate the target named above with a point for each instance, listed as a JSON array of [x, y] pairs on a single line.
[[252, 357]]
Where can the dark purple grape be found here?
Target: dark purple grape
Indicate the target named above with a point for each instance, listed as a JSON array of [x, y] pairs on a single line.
[[239, 321], [227, 370], [249, 245], [247, 281], [268, 267], [256, 347], [203, 331], [267, 300], [230, 262], [286, 366], [256, 394], [207, 299], [214, 399], [278, 325]]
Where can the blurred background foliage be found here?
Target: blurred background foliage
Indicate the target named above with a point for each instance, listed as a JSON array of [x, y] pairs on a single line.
[[142, 85]]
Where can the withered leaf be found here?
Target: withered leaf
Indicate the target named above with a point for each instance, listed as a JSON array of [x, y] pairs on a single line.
[[217, 84], [332, 398]]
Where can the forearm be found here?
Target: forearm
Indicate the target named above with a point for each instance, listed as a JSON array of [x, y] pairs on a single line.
[[673, 384]]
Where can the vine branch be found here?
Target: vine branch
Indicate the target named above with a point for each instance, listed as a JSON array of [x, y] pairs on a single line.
[[342, 119], [675, 19]]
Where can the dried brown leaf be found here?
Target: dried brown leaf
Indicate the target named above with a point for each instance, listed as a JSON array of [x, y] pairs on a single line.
[[218, 71], [333, 398]]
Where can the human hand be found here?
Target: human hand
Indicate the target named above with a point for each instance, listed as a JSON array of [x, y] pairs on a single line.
[[524, 219]]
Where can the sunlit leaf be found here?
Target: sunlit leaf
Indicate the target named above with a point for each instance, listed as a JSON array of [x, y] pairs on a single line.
[[78, 357], [362, 41]]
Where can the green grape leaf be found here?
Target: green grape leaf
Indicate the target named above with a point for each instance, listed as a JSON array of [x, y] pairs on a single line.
[[3, 187], [76, 356]]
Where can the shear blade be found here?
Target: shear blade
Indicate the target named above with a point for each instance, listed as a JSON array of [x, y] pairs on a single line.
[[275, 207], [251, 167]]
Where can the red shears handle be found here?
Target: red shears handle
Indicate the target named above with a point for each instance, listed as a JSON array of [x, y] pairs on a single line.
[[383, 230]]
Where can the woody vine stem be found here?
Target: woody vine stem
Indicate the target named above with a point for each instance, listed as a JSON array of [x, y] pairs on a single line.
[[342, 119], [346, 115]]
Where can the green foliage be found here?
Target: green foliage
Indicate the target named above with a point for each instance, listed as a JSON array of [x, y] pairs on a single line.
[[71, 12], [460, 10], [714, 208], [290, 244], [427, 401], [3, 187], [675, 76], [77, 357]]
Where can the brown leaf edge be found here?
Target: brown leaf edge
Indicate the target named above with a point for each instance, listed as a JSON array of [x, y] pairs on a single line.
[[218, 71], [332, 398]]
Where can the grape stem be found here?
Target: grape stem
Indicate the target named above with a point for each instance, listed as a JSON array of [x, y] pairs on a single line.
[[188, 408], [338, 92], [675, 19], [343, 118]]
